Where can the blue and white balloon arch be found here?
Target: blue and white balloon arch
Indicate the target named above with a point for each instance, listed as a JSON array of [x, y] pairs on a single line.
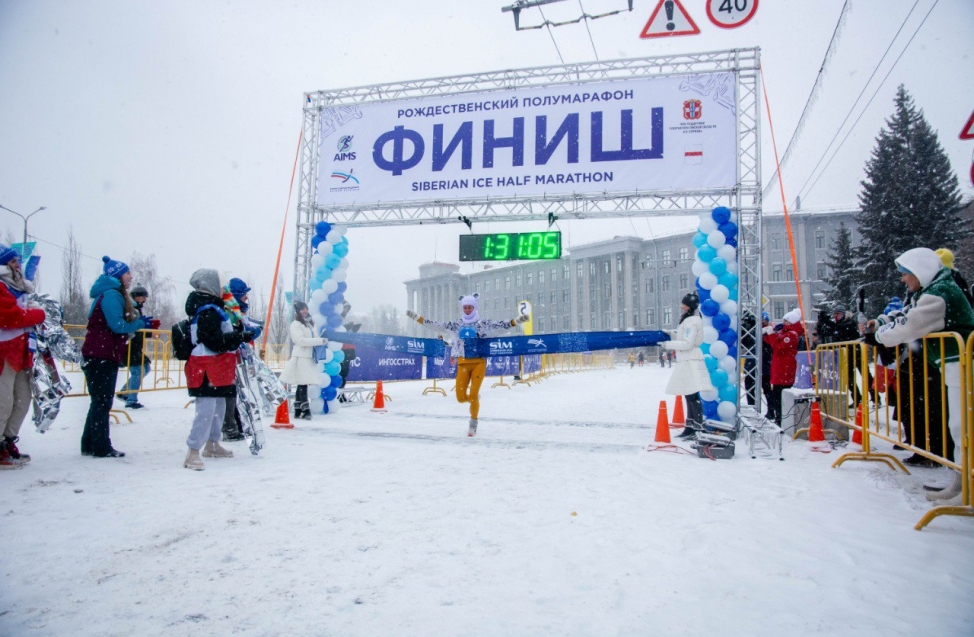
[[326, 289]]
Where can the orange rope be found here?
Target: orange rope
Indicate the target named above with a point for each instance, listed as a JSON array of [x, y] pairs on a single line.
[[280, 247], [784, 204]]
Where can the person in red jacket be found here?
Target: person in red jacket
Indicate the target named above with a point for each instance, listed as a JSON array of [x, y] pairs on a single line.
[[783, 340], [16, 355]]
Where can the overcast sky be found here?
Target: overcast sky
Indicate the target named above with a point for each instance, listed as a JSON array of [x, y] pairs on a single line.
[[170, 127]]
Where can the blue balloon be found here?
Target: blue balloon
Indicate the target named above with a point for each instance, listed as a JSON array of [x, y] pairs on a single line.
[[326, 308], [323, 273], [709, 307], [717, 266], [728, 336], [342, 286], [731, 241], [333, 261], [340, 249], [721, 214], [321, 394], [710, 409], [336, 297], [733, 294], [699, 239], [315, 283], [728, 393], [702, 293], [706, 252], [728, 280], [721, 322], [728, 228], [322, 228], [732, 350], [710, 362], [334, 321], [315, 240], [321, 330], [344, 240], [705, 348], [332, 368], [718, 378], [339, 356], [336, 381], [329, 393]]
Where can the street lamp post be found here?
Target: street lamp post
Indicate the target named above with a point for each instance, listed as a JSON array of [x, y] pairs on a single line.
[[26, 219]]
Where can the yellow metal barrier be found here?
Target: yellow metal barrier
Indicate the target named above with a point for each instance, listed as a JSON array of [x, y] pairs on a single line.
[[914, 415]]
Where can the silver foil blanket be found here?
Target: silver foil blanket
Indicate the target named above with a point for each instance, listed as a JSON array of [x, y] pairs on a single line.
[[270, 389], [47, 386], [249, 402]]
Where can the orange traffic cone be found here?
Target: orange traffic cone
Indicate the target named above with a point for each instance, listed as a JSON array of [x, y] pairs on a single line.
[[281, 420], [679, 420], [662, 427], [380, 400], [857, 433], [815, 432]]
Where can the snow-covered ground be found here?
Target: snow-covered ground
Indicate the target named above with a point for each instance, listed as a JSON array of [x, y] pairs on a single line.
[[553, 521]]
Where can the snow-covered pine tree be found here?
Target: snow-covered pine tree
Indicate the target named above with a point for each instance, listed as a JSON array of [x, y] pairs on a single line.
[[842, 277], [910, 198]]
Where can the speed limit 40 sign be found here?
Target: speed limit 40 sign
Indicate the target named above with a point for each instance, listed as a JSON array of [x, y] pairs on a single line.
[[730, 14]]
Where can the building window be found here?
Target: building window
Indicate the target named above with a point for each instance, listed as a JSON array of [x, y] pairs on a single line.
[[649, 286], [684, 254], [608, 291], [579, 321], [650, 318], [540, 299], [606, 321], [592, 319], [591, 292], [665, 286], [529, 278], [665, 256], [635, 319], [540, 323], [554, 275], [580, 295], [566, 322], [507, 283], [821, 274], [606, 267], [776, 273], [540, 277], [776, 242], [566, 296], [619, 263], [622, 320], [497, 284], [507, 302], [487, 285], [684, 281], [779, 309], [566, 272], [820, 238], [591, 268], [517, 280], [476, 288], [667, 316], [789, 273], [497, 303], [579, 271], [551, 297]]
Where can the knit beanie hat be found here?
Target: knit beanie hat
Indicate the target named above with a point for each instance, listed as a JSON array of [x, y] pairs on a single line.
[[795, 316], [7, 254], [300, 305], [894, 304], [946, 257], [114, 268], [207, 281], [238, 288], [692, 301], [923, 263], [138, 290], [474, 300]]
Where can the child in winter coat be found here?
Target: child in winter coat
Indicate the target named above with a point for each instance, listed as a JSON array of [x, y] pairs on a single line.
[[211, 368], [301, 369], [690, 376], [470, 371], [783, 340]]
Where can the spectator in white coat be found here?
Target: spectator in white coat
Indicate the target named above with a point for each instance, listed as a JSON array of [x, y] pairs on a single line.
[[690, 376], [301, 369]]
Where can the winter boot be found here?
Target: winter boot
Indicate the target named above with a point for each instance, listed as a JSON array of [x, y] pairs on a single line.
[[193, 460], [14, 452], [472, 431], [945, 494], [6, 462], [233, 436], [214, 450]]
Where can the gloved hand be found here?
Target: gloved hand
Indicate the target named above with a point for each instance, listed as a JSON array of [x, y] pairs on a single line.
[[413, 315], [147, 323], [869, 338], [768, 330], [248, 336], [779, 327], [324, 341], [256, 332], [524, 318]]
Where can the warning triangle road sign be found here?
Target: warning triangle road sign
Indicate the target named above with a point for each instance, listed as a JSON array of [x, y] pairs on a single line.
[[669, 18], [968, 132]]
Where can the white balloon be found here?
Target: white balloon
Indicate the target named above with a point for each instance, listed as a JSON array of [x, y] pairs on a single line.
[[733, 322], [708, 225], [710, 336], [329, 355], [728, 364], [699, 267], [332, 406], [317, 260], [341, 230], [728, 253], [329, 286], [340, 328], [732, 267], [318, 297], [337, 276], [333, 236], [707, 320], [324, 249], [325, 379], [733, 217], [718, 349], [709, 394], [704, 215], [729, 307], [716, 239], [315, 390], [334, 346], [318, 319], [708, 281], [727, 410], [719, 293], [343, 265], [316, 405]]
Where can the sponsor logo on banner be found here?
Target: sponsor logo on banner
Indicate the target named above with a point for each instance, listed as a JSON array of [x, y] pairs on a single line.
[[537, 342], [692, 109], [348, 183], [693, 154], [501, 348], [345, 149], [415, 347]]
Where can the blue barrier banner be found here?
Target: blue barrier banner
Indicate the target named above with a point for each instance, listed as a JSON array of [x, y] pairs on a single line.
[[827, 374], [503, 366], [387, 343], [564, 342], [441, 367], [532, 364], [373, 364], [803, 373]]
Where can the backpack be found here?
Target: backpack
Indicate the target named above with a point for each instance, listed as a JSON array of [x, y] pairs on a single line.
[[181, 337]]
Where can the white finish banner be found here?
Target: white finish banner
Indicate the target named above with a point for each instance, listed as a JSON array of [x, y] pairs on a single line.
[[674, 133]]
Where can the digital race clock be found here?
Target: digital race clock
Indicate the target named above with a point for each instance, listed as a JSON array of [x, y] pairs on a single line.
[[510, 246]]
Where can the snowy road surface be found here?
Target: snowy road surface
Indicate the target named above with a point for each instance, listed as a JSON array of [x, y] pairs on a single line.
[[553, 521]]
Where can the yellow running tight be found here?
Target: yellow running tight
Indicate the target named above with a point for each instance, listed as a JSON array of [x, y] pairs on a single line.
[[470, 372]]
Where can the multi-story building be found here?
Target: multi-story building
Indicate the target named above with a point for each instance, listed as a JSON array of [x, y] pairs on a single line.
[[627, 283]]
